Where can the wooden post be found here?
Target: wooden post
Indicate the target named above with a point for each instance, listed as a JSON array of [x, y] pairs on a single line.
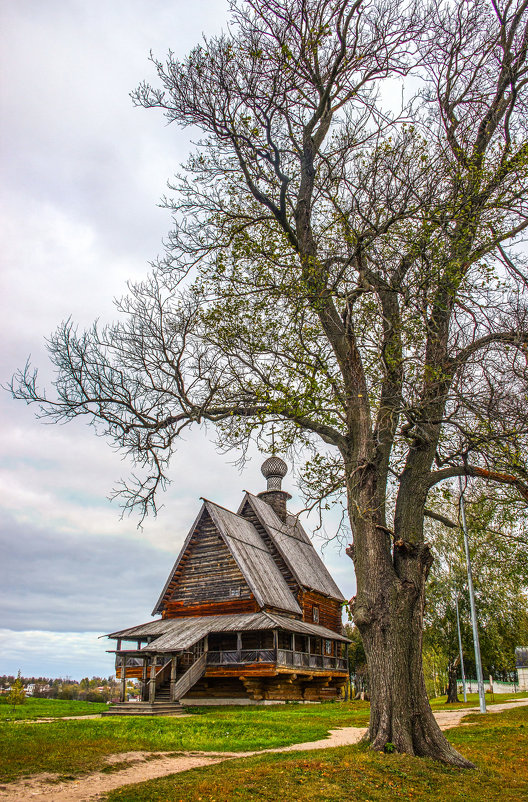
[[174, 663], [144, 680], [152, 683], [123, 680], [293, 641], [309, 645], [275, 642], [239, 644]]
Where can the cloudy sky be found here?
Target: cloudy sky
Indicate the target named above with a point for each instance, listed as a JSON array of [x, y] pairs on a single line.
[[82, 172]]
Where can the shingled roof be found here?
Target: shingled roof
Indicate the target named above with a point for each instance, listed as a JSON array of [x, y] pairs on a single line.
[[175, 634], [295, 548]]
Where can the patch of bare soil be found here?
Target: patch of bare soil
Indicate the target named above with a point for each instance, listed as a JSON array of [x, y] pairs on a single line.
[[150, 765], [92, 786], [345, 736]]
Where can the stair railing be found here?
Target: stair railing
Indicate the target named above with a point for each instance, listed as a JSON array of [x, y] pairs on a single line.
[[191, 676]]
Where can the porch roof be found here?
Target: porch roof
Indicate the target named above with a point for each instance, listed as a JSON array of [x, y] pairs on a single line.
[[176, 634]]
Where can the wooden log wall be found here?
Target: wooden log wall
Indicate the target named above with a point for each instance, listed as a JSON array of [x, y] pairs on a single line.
[[221, 688], [329, 610], [278, 688], [207, 574], [131, 672], [249, 669], [174, 609]]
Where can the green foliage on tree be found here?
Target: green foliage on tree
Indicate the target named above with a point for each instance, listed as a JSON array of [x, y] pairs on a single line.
[[498, 538], [17, 694], [357, 660]]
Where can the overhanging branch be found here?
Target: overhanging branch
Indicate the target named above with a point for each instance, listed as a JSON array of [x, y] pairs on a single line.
[[481, 473]]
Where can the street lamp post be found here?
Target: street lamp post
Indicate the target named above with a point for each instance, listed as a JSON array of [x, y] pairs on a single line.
[[476, 643], [460, 650]]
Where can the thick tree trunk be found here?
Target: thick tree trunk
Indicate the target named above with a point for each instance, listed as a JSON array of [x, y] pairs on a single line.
[[400, 713], [388, 611], [452, 686]]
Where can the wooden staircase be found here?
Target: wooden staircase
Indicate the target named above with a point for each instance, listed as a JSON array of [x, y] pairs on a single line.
[[191, 676], [163, 705]]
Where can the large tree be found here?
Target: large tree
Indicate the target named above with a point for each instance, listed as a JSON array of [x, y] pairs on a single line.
[[341, 264]]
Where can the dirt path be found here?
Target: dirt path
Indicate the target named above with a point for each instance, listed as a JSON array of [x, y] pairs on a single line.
[[54, 718], [150, 765], [452, 718]]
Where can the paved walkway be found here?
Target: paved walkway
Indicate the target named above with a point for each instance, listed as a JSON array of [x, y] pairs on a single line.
[[151, 765]]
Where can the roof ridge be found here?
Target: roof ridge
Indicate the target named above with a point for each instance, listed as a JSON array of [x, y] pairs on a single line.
[[259, 588], [226, 509], [271, 526], [303, 560]]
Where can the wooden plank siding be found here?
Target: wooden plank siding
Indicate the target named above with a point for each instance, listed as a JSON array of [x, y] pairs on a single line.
[[329, 610], [131, 672], [257, 669], [206, 578]]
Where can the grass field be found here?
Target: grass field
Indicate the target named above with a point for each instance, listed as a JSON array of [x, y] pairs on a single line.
[[69, 747], [473, 700], [497, 744], [48, 708]]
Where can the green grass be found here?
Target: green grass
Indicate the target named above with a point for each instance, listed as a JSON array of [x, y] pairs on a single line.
[[498, 745], [74, 747], [78, 746], [49, 708], [440, 702]]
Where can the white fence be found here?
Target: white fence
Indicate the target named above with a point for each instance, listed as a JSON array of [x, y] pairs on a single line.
[[498, 687]]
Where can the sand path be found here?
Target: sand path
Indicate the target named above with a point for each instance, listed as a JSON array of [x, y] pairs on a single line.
[[150, 765]]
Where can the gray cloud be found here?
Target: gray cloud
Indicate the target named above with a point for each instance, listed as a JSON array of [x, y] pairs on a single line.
[[77, 583], [41, 653]]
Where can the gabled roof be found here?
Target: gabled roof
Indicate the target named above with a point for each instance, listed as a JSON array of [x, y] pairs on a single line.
[[254, 560], [176, 634], [251, 555], [295, 548]]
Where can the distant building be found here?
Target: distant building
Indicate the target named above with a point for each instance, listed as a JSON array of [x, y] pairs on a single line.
[[521, 664], [249, 614]]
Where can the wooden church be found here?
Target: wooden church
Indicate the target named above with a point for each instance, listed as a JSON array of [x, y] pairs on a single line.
[[249, 614]]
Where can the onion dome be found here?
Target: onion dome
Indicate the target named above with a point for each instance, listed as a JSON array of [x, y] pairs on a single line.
[[274, 469]]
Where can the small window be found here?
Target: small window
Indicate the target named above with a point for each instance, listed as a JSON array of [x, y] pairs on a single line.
[[315, 614], [234, 591], [328, 647]]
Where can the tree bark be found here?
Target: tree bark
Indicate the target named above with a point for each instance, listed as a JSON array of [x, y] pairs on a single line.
[[452, 687]]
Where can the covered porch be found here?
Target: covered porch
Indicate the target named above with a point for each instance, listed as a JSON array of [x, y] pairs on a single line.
[[278, 647], [244, 656]]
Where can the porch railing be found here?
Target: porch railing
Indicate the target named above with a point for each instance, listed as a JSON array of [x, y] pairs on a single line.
[[283, 657], [241, 656], [286, 657]]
